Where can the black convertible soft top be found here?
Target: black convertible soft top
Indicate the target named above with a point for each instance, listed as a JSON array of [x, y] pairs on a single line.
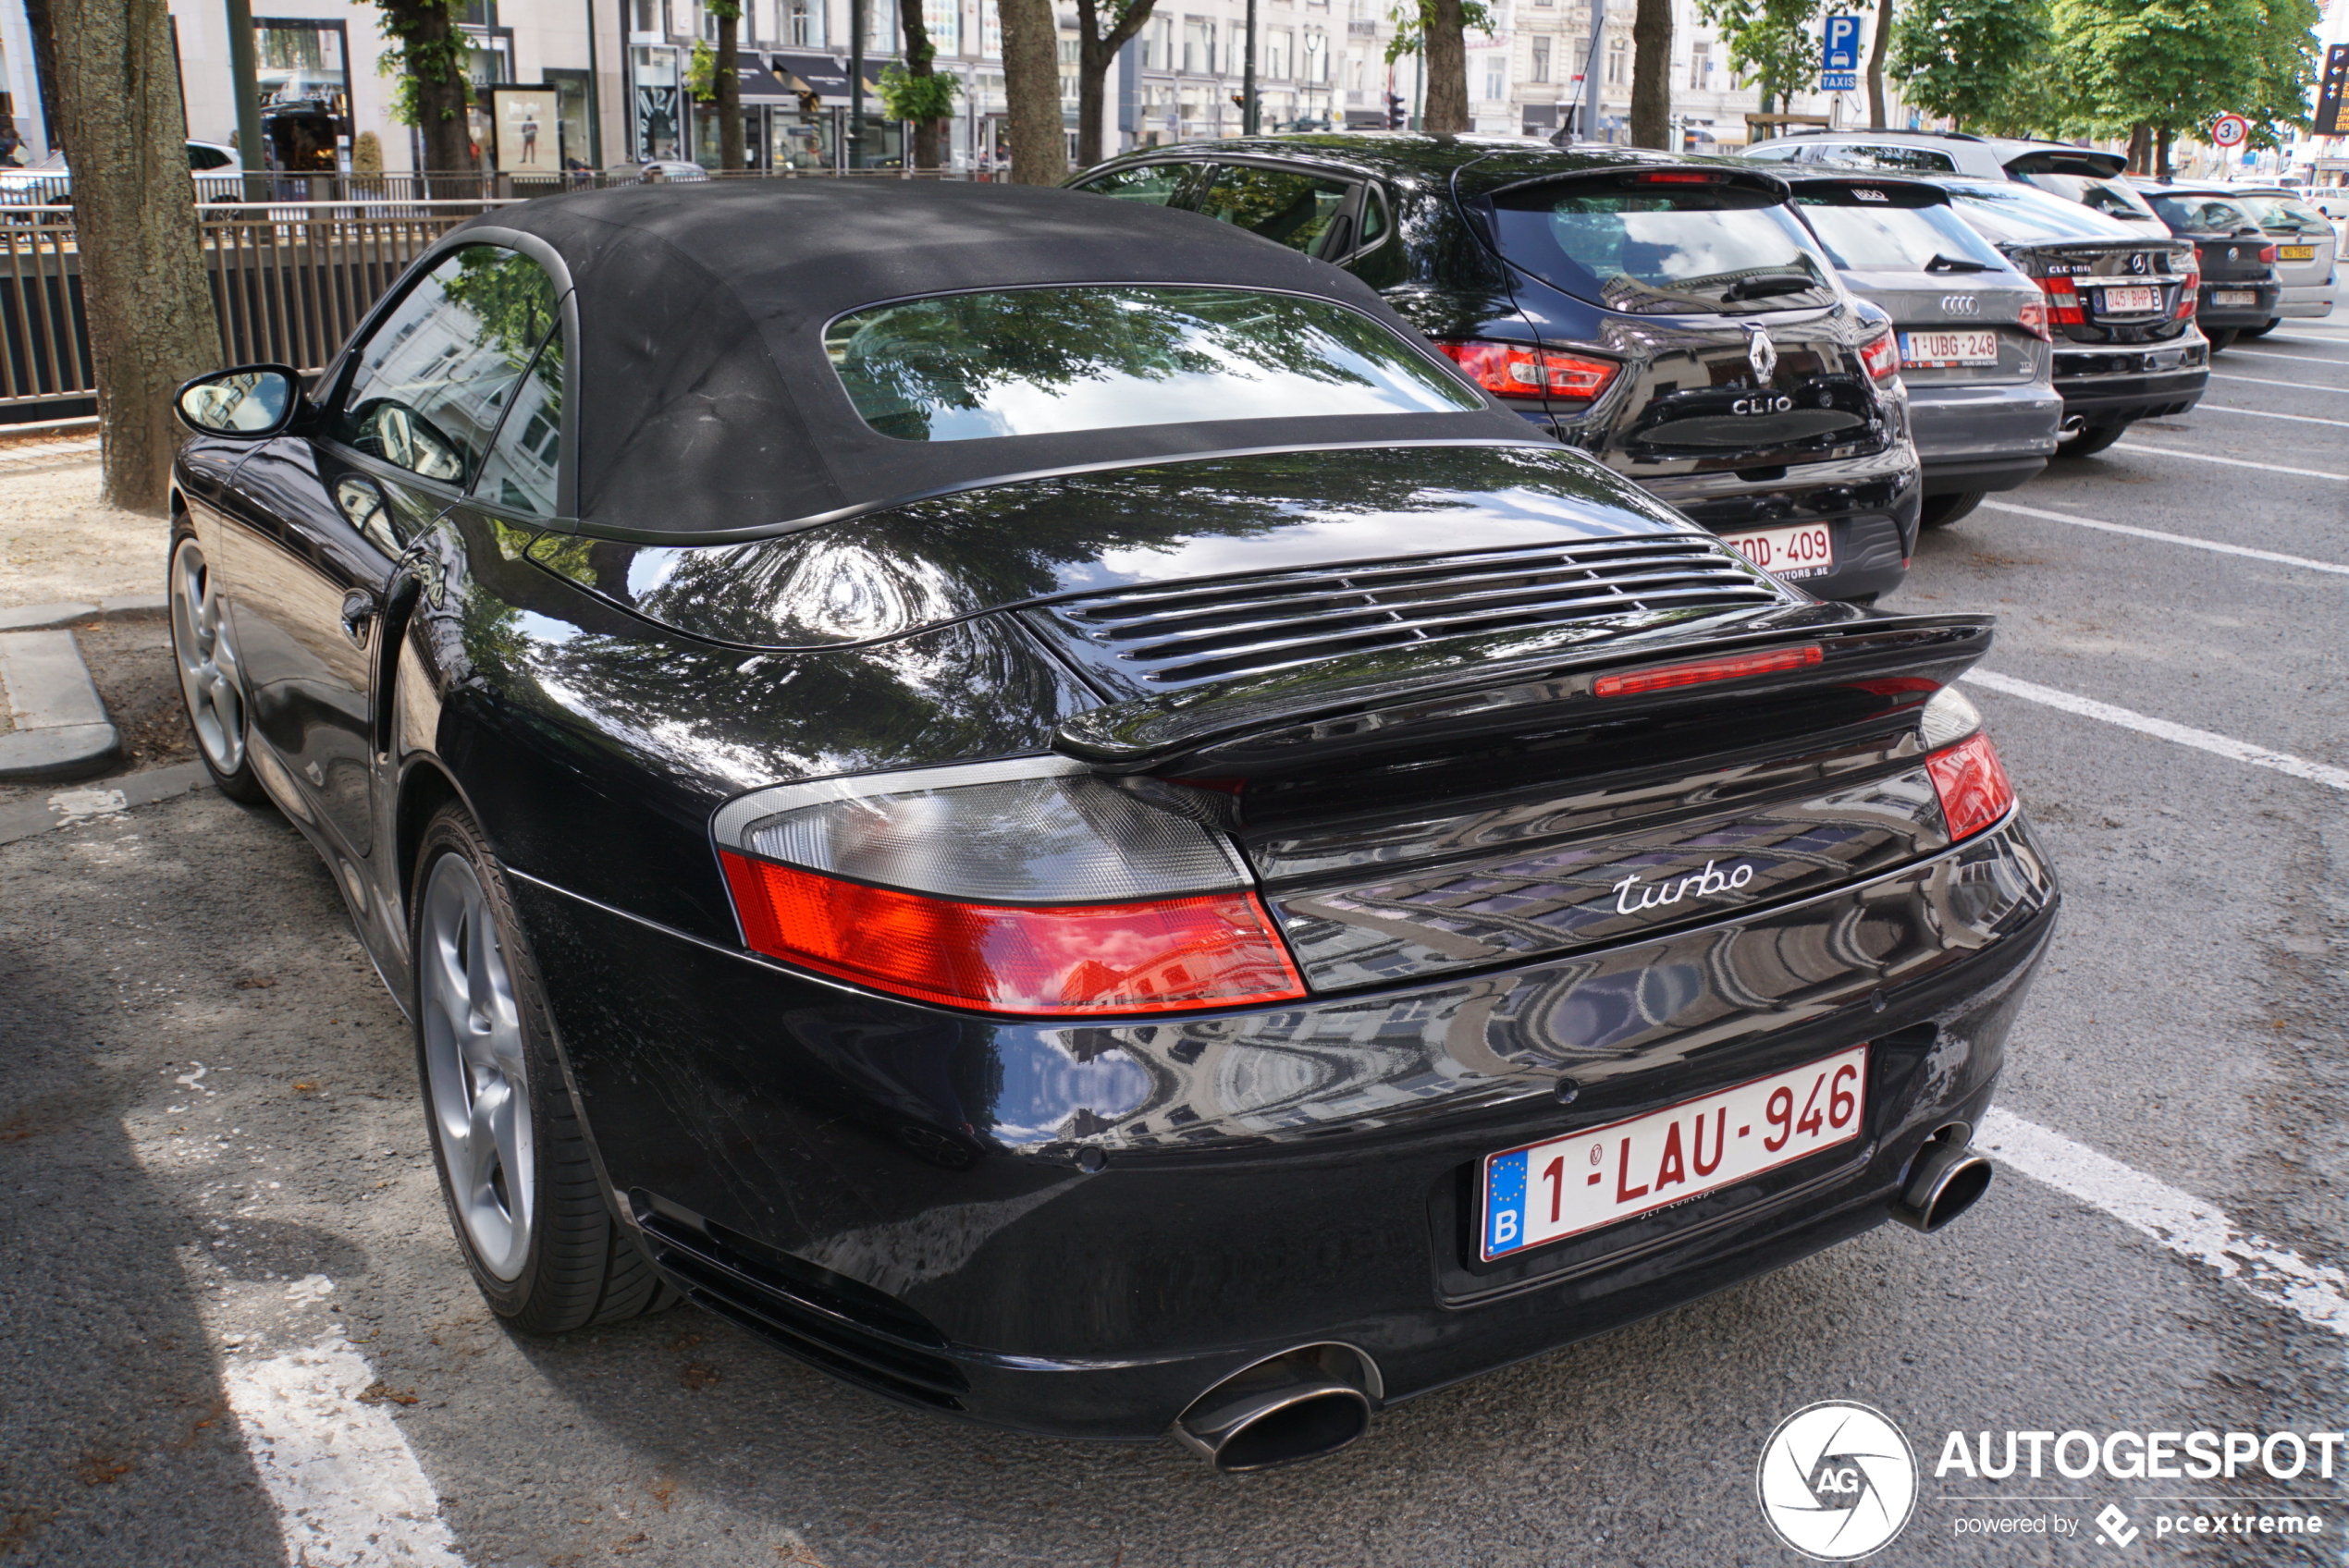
[[705, 402]]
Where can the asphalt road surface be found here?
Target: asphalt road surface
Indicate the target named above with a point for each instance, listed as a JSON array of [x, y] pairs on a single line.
[[236, 1330]]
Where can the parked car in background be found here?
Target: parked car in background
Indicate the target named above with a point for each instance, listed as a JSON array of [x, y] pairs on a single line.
[[2240, 289], [1671, 316], [1975, 348], [654, 172], [2120, 304], [2076, 174], [2308, 252], [50, 181]]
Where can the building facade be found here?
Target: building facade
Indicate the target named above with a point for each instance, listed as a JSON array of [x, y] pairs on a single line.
[[620, 74]]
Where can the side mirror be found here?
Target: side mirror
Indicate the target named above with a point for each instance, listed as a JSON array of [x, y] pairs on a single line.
[[250, 403]]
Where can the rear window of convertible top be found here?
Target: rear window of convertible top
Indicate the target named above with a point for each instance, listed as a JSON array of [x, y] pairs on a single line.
[[1032, 361]]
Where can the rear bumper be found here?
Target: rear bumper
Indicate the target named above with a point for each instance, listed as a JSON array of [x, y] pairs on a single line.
[[1993, 438], [1869, 504], [2267, 296], [2125, 382], [2304, 301], [894, 1194]]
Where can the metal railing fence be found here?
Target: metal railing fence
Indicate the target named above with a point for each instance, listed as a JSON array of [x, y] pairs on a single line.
[[289, 286]]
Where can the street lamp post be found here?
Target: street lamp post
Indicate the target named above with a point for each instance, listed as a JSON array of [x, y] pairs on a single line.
[[1249, 109], [856, 152]]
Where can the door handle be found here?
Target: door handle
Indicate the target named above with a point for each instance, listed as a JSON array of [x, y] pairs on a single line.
[[358, 613]]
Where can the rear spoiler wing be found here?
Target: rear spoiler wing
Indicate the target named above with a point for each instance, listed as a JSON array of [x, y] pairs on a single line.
[[1275, 722]]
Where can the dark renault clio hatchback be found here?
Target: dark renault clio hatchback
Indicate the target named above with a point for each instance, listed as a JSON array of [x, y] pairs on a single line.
[[1035, 801], [1670, 316]]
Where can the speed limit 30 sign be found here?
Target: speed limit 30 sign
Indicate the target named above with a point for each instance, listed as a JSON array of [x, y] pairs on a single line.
[[2230, 130]]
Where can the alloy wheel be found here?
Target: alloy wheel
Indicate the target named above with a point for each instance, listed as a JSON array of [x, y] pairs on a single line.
[[475, 1066], [206, 655]]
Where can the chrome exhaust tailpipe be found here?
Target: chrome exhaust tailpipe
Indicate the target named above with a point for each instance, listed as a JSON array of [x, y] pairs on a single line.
[[1944, 1181], [2073, 425], [1289, 1408]]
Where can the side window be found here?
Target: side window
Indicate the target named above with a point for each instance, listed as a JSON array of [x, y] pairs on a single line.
[[1374, 218], [519, 471], [1776, 152], [1293, 208], [1153, 184], [433, 380], [1919, 160]]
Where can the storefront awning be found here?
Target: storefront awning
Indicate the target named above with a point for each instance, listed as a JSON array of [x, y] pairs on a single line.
[[763, 86], [819, 74]]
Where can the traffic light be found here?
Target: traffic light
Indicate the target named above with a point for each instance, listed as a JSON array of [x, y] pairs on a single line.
[[1394, 111], [1239, 101]]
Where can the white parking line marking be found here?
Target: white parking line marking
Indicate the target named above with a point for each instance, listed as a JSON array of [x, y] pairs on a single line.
[[2179, 1220], [2263, 413], [2231, 462], [347, 1487], [2271, 380], [2213, 544], [2304, 358], [2144, 724]]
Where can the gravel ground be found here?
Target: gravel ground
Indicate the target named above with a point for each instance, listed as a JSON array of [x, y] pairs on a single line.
[[59, 541]]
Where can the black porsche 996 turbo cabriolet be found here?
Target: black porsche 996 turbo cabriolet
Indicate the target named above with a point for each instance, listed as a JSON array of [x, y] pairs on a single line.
[[1035, 801]]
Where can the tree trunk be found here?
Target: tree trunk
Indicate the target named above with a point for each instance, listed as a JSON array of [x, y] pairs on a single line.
[[1445, 59], [1651, 74], [1095, 54], [151, 325], [928, 150], [2140, 148], [41, 20], [2161, 154], [1877, 109], [1032, 92], [730, 90], [432, 52]]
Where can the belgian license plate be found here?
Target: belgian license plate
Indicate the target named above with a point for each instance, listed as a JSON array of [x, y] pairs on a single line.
[[1950, 348], [1807, 551], [2296, 253], [2234, 296], [2132, 300], [1546, 1191]]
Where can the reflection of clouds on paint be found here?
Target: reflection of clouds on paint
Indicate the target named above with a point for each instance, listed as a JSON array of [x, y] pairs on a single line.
[[1310, 537], [1045, 1084]]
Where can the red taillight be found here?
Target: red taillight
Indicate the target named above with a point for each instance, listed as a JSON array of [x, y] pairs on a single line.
[[2033, 319], [1510, 369], [1216, 950], [1677, 176], [1882, 356], [1729, 666], [1974, 787], [2268, 255], [2063, 305], [2189, 294]]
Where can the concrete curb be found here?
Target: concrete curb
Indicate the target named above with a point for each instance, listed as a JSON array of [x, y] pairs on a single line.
[[61, 728], [122, 606], [115, 795]]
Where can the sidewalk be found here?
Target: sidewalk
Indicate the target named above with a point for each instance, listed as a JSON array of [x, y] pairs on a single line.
[[60, 543]]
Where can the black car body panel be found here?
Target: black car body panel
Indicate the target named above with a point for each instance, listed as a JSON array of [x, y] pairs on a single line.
[[1075, 1225], [1675, 422]]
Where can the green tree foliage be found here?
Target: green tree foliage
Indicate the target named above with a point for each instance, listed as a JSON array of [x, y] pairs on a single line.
[[1774, 43], [1991, 66], [2174, 65], [906, 97]]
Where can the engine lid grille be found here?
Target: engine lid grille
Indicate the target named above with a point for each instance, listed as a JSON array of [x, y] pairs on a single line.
[[1156, 638]]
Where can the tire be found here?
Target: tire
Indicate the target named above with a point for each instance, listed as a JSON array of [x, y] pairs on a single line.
[[525, 1202], [2092, 439], [2222, 339], [212, 685], [2264, 329], [1940, 511]]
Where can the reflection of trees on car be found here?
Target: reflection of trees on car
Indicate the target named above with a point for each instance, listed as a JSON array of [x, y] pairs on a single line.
[[953, 353], [511, 295]]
